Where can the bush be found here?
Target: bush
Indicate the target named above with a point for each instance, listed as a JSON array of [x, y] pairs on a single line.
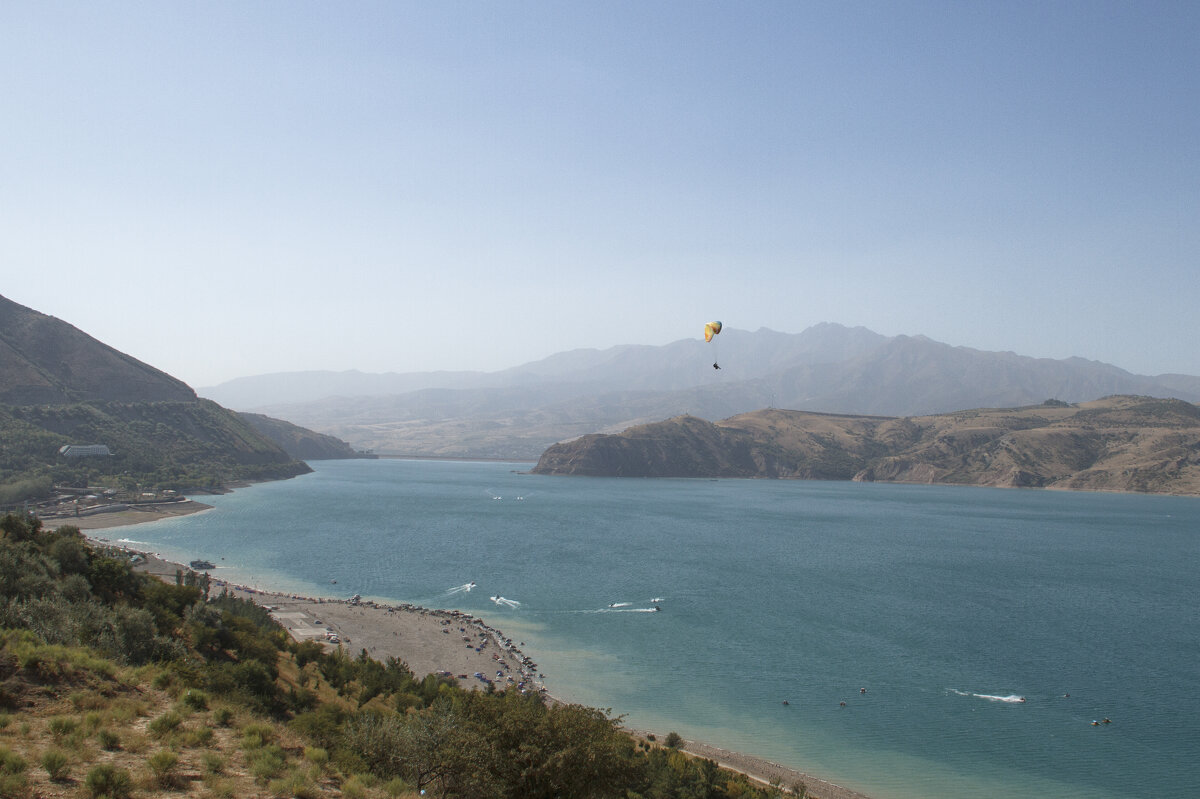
[[212, 762], [107, 781], [673, 740], [11, 763], [162, 765], [61, 727], [295, 785], [198, 738], [195, 699], [109, 740], [353, 788], [397, 787], [267, 763], [166, 723], [254, 736], [55, 763]]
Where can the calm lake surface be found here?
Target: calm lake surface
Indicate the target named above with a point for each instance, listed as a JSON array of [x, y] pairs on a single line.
[[948, 605]]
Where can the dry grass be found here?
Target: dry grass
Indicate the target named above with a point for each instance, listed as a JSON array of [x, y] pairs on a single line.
[[169, 745]]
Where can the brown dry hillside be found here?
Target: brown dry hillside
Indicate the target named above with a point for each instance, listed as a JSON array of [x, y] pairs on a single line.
[[1118, 443], [46, 361]]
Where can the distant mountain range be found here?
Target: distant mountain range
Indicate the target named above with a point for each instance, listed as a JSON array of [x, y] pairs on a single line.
[[517, 413], [1118, 443]]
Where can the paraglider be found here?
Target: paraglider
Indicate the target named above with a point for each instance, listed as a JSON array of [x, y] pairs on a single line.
[[712, 329]]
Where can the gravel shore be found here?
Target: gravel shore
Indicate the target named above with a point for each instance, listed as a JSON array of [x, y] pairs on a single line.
[[430, 641]]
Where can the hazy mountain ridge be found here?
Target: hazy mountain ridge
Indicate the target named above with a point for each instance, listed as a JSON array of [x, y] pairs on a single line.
[[1119, 443], [517, 413]]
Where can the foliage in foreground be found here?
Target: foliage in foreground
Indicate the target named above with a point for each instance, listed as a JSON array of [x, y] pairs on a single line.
[[237, 699]]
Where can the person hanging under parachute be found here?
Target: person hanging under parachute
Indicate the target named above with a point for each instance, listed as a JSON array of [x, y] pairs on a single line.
[[712, 329]]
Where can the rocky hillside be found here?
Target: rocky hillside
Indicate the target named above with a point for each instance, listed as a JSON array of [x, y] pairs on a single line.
[[300, 442], [45, 361], [59, 387], [1120, 443]]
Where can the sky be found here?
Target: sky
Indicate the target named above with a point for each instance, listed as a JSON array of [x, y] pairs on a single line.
[[224, 189]]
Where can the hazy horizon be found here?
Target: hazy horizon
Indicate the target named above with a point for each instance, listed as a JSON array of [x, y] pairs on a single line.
[[598, 349], [228, 189]]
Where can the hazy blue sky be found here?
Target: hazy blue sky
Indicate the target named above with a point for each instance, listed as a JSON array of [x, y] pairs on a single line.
[[226, 189]]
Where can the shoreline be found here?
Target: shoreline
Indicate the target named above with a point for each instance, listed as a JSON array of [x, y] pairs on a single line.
[[430, 641]]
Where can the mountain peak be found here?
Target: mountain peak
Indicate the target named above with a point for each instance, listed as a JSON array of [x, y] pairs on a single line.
[[47, 361]]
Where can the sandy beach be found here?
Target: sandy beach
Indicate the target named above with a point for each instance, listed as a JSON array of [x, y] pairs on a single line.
[[429, 641]]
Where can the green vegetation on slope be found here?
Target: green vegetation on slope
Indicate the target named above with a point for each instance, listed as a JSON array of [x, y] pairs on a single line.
[[155, 445], [117, 684]]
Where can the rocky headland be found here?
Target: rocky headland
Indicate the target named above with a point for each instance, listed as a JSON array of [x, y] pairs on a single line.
[[1119, 443]]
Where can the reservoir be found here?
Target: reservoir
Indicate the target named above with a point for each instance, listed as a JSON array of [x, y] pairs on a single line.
[[935, 642]]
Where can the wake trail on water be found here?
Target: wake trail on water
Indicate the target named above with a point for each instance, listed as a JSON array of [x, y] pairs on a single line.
[[461, 589], [1011, 699], [509, 603]]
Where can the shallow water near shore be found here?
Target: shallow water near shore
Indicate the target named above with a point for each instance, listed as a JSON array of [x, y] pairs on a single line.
[[948, 605]]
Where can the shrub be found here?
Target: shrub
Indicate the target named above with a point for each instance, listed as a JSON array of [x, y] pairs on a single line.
[[222, 716], [295, 785], [109, 740], [397, 787], [55, 763], [195, 699], [162, 765], [212, 763], [107, 781], [353, 788], [255, 736], [88, 700], [673, 740], [11, 762], [165, 723], [198, 738], [267, 762], [221, 789], [61, 727]]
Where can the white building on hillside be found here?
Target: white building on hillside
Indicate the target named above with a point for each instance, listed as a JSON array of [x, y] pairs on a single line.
[[84, 450]]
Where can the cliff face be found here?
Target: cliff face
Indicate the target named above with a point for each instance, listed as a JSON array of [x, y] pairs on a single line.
[[45, 361], [1115, 444]]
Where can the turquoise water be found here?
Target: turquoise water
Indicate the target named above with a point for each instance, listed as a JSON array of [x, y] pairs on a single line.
[[947, 604]]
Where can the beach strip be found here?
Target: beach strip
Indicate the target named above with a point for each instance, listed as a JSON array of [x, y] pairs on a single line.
[[434, 641]]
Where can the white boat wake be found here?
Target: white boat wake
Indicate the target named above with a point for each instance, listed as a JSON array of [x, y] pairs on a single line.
[[1011, 699]]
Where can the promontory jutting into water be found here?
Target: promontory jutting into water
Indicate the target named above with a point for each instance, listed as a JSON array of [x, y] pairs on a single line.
[[928, 642]]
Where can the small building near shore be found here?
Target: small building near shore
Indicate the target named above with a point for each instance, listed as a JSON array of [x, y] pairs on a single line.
[[84, 451]]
